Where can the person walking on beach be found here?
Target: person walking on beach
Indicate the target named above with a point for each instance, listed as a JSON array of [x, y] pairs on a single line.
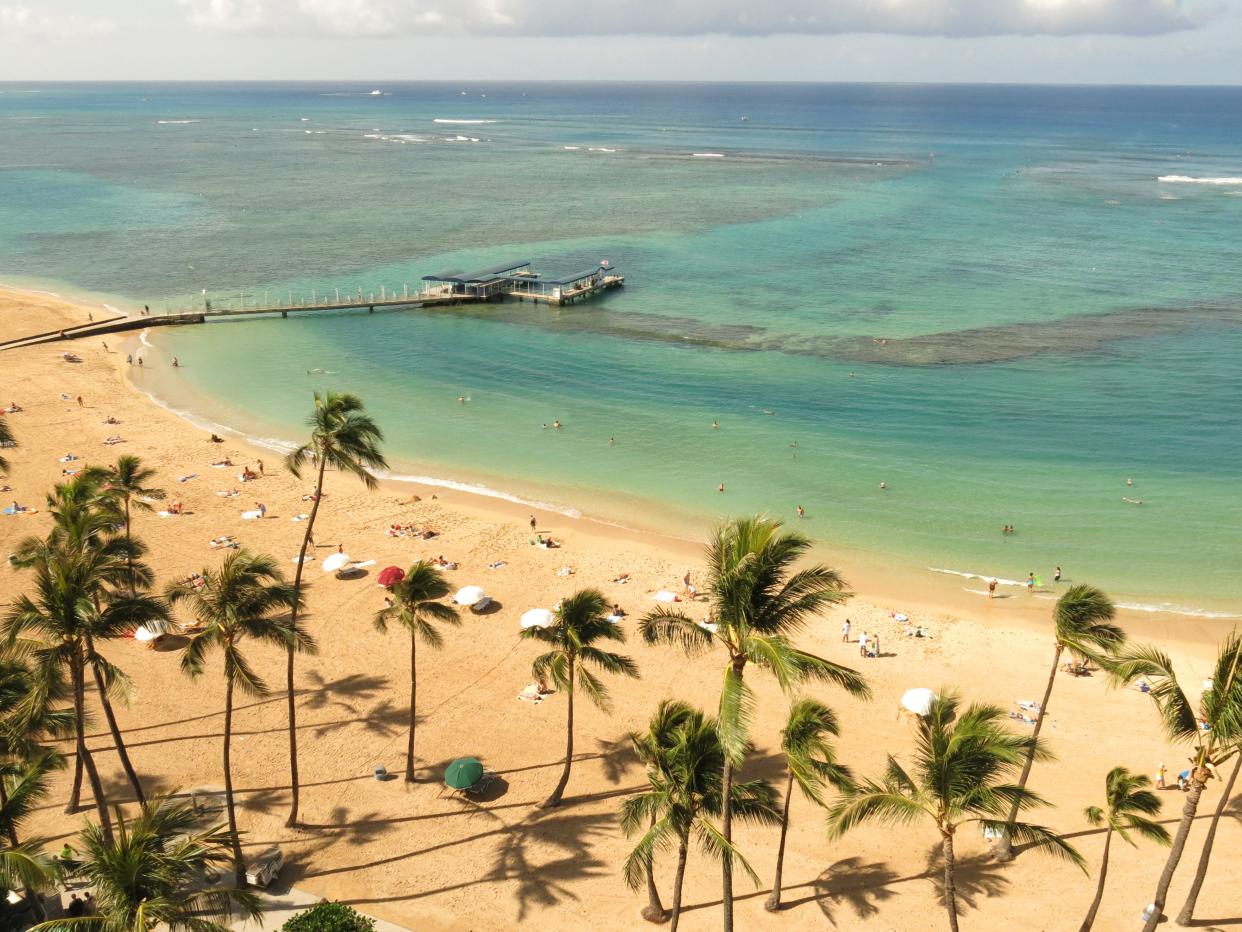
[[1030, 582], [262, 509], [1056, 577], [1161, 776], [845, 631], [991, 588], [875, 645], [862, 644], [260, 462], [79, 401], [533, 524]]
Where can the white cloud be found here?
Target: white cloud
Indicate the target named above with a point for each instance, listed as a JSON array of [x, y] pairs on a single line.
[[955, 18], [227, 15], [23, 21]]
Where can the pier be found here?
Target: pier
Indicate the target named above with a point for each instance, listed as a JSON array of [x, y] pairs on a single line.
[[511, 281]]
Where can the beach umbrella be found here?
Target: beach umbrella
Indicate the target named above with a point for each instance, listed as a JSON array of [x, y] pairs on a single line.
[[470, 595], [917, 701], [537, 618], [335, 562], [391, 575], [143, 636], [463, 773]]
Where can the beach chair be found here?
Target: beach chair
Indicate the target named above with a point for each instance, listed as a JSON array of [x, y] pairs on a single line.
[[265, 868], [481, 785]]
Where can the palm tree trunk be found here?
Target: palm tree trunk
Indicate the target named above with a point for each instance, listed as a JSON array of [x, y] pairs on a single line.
[[1186, 916], [1197, 781], [92, 773], [555, 799], [1099, 887], [654, 911], [1004, 847], [683, 850], [239, 866], [950, 884], [409, 752], [75, 794], [774, 900], [726, 825], [121, 752], [293, 618]]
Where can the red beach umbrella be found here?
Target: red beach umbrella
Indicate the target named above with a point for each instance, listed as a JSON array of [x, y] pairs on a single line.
[[389, 576]]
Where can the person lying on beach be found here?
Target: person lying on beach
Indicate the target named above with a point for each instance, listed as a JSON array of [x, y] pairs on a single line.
[[618, 610], [497, 565], [114, 439], [224, 462], [565, 571], [187, 478], [311, 496], [69, 472], [247, 474], [226, 541], [13, 408], [443, 563], [68, 458], [215, 439], [228, 493], [110, 420]]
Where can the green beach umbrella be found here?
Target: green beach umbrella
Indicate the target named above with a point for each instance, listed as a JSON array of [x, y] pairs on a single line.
[[463, 773]]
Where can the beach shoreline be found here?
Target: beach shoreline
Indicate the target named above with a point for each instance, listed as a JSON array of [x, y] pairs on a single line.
[[397, 851]]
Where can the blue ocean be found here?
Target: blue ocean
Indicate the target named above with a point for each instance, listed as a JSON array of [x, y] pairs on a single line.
[[1008, 305]]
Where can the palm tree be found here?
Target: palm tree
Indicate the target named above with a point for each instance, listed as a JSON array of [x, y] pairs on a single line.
[[1213, 731], [581, 621], [652, 749], [151, 874], [958, 777], [344, 437], [54, 627], [810, 760], [1083, 625], [128, 481], [246, 598], [415, 608], [685, 791], [759, 601], [22, 863], [1187, 915], [1127, 804], [86, 518]]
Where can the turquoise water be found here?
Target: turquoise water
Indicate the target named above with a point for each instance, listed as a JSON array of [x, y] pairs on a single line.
[[1054, 318]]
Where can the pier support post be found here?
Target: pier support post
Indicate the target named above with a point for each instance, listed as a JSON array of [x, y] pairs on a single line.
[[284, 314], [371, 309]]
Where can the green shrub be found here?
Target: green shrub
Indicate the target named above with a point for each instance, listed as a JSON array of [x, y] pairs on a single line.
[[329, 917]]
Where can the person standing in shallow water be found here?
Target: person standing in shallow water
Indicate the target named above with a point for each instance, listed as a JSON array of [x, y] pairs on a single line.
[[1056, 577]]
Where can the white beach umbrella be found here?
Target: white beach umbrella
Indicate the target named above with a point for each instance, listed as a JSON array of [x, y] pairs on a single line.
[[143, 636], [665, 596], [536, 618], [335, 562], [470, 595], [918, 701]]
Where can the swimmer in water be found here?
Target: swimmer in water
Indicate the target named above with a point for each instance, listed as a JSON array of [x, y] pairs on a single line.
[[801, 512], [883, 485], [611, 441], [715, 426], [461, 399], [556, 424], [720, 488], [176, 363]]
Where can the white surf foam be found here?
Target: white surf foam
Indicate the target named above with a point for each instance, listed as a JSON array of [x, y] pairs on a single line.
[[462, 122], [1188, 179], [708, 155], [177, 122], [964, 574]]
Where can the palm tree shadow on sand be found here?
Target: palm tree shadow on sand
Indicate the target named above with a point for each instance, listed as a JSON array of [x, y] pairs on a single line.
[[852, 883]]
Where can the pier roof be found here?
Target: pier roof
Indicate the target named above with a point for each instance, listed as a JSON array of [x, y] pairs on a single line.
[[482, 275], [570, 279]]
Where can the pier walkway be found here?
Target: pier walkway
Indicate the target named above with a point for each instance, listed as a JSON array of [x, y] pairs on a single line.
[[512, 281]]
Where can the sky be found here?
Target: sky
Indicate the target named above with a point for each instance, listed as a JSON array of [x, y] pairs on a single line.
[[1019, 41]]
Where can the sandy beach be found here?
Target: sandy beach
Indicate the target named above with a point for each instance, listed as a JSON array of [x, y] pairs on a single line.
[[426, 861]]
